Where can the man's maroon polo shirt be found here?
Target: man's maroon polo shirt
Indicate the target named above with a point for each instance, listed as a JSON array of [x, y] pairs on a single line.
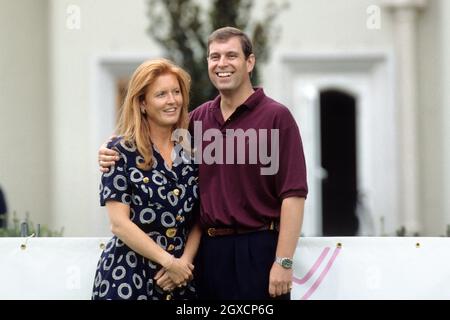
[[236, 194]]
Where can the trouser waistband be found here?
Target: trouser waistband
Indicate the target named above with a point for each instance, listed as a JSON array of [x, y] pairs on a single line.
[[226, 231]]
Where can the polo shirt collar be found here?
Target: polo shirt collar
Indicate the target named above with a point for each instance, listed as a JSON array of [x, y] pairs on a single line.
[[250, 103], [255, 98]]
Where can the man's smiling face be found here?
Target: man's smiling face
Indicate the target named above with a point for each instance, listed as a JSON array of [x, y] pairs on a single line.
[[228, 68]]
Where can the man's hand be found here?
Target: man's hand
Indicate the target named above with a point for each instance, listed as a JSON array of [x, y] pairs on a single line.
[[107, 157], [280, 280]]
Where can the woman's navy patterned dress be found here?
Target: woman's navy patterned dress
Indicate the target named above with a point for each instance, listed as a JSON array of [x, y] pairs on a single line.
[[162, 202]]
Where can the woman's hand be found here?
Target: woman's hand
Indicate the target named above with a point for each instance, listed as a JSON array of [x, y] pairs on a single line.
[[180, 271], [176, 272], [163, 280]]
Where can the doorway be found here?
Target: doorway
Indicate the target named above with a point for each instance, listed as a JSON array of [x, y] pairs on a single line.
[[338, 159]]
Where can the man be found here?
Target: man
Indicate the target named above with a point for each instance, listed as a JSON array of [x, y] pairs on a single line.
[[250, 218]]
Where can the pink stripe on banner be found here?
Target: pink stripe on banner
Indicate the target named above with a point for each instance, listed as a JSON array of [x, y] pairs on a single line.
[[322, 275], [313, 269]]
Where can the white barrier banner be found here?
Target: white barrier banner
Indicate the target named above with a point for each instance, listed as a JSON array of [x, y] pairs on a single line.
[[48, 268], [324, 268], [372, 268]]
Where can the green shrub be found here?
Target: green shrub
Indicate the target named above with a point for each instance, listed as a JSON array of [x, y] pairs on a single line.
[[14, 228]]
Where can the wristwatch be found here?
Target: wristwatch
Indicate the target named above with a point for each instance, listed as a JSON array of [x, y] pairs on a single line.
[[284, 262]]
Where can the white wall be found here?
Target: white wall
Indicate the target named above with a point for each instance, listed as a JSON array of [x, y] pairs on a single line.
[[338, 25], [324, 26], [24, 116], [106, 27]]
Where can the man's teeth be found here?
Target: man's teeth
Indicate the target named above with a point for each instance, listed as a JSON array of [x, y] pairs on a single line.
[[224, 74]]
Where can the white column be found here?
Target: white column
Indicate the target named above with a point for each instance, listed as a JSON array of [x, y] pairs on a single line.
[[405, 15], [445, 121], [306, 97]]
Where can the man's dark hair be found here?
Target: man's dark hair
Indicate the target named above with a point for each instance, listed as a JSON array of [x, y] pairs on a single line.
[[225, 33]]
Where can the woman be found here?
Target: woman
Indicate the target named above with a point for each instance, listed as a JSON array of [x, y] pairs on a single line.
[[151, 192]]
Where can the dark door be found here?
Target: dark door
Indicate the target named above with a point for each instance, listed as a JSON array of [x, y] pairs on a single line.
[[338, 151]]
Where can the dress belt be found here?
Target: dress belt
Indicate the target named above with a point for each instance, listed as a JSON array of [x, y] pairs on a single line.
[[226, 231]]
